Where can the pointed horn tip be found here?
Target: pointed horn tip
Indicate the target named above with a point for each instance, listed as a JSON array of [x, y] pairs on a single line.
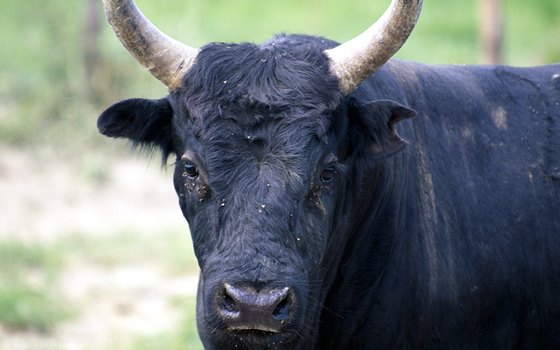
[[358, 58]]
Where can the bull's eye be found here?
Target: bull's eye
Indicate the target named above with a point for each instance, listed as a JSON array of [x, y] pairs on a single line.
[[190, 170], [328, 175]]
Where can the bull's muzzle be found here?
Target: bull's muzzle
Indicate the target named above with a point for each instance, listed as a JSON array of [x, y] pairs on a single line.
[[247, 309]]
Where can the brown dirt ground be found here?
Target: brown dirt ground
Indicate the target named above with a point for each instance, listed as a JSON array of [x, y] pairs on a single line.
[[42, 201]]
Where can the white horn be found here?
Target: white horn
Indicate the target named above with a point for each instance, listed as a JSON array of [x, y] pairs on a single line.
[[355, 60], [167, 59]]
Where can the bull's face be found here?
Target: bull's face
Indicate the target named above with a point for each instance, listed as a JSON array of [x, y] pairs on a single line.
[[265, 163], [269, 151], [257, 179]]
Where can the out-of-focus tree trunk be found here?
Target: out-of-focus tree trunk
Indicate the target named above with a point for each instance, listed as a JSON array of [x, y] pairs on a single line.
[[491, 32], [92, 58]]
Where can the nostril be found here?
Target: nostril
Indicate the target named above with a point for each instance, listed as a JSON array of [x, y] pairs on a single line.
[[228, 304], [282, 310]]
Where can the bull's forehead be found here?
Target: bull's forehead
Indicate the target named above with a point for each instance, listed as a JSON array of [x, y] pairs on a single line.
[[256, 111], [249, 151]]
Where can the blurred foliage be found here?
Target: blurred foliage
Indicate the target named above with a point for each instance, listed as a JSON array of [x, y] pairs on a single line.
[[49, 97]]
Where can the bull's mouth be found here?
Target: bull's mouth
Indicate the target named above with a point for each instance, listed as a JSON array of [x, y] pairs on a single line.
[[255, 329]]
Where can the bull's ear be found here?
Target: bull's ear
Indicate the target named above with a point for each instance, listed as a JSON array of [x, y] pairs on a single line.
[[376, 122], [145, 122]]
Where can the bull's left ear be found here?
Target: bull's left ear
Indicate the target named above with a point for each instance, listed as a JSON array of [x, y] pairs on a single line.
[[377, 121]]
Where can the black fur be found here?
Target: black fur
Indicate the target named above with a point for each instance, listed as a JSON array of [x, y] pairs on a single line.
[[146, 122], [450, 243]]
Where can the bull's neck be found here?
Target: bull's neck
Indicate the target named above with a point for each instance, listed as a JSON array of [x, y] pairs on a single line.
[[374, 226], [377, 221]]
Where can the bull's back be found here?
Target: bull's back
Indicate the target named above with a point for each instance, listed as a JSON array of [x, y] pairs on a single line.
[[489, 139], [484, 211]]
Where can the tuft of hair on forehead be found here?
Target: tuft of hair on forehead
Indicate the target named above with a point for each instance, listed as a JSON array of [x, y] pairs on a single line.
[[287, 72]]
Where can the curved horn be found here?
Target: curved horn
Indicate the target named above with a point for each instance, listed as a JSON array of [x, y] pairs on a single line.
[[355, 60], [167, 59]]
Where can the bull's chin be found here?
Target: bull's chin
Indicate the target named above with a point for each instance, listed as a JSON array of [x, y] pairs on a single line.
[[253, 339]]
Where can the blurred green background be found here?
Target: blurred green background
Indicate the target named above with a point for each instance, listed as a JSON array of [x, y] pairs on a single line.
[[93, 251]]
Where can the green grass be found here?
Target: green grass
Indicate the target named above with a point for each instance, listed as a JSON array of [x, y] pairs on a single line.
[[29, 299], [18, 257], [28, 307]]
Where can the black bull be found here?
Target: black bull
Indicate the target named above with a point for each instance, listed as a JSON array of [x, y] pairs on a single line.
[[316, 226]]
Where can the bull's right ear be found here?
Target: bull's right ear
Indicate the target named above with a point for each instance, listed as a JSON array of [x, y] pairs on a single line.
[[145, 122], [376, 123]]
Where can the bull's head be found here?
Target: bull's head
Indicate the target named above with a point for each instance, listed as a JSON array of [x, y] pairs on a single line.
[[271, 153]]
